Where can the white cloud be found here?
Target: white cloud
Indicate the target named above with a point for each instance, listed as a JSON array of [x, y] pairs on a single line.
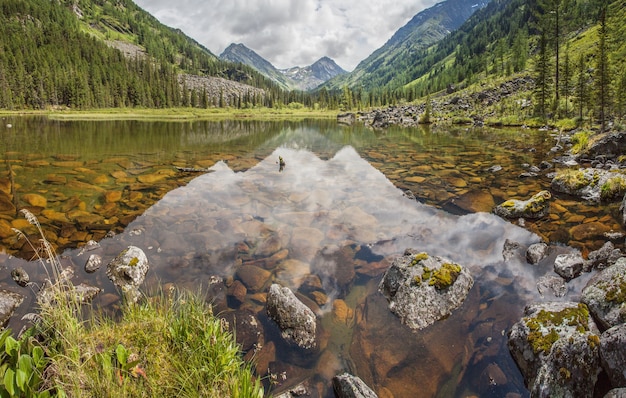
[[290, 32]]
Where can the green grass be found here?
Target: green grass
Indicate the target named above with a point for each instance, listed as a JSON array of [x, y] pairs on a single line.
[[182, 114], [169, 345]]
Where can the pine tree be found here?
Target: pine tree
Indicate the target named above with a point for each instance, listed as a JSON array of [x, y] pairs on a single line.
[[602, 78]]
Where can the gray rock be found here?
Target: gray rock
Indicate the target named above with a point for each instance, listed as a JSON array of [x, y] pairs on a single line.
[[9, 301], [605, 295], [297, 322], [556, 347], [552, 283], [128, 270], [94, 262], [616, 393], [569, 266], [423, 289], [610, 145], [603, 257], [348, 386], [613, 354], [537, 252], [623, 209], [510, 249], [20, 276], [588, 183], [536, 207]]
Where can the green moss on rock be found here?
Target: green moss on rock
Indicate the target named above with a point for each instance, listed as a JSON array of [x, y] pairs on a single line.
[[545, 325], [445, 276]]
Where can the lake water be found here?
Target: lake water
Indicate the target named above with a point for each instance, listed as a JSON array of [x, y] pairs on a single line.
[[208, 201]]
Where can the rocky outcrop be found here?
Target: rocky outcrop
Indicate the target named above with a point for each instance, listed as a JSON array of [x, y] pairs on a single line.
[[297, 322], [128, 270], [609, 145], [348, 386], [423, 289], [536, 207], [613, 354], [605, 295], [556, 346], [590, 184]]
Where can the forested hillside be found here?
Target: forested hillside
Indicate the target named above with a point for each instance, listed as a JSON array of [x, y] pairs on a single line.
[[102, 53]]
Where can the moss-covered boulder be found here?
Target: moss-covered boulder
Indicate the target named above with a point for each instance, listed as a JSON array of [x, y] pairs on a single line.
[[128, 270], [590, 184], [556, 346], [536, 207], [422, 289], [605, 295]]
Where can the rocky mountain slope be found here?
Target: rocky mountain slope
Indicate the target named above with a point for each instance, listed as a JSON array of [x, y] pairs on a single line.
[[423, 30], [295, 78]]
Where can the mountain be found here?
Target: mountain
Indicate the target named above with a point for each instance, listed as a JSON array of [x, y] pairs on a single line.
[[385, 66], [238, 53], [295, 78], [111, 53]]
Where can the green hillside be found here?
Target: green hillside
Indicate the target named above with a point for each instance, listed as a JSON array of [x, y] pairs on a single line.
[[100, 53]]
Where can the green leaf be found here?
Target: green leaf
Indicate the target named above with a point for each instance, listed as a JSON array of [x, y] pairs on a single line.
[[9, 381], [11, 346], [38, 357], [21, 378], [121, 354]]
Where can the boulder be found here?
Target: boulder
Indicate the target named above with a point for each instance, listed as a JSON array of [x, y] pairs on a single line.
[[348, 386], [128, 270], [590, 184], [605, 256], [297, 322], [569, 266], [610, 145], [534, 208], [551, 283], [556, 347], [613, 354], [605, 295], [422, 289], [9, 301], [616, 393], [537, 252]]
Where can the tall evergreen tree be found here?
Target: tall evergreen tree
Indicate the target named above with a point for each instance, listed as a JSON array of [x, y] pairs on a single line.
[[602, 76]]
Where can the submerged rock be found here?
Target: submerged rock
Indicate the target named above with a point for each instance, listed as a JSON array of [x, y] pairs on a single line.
[[128, 270], [348, 386], [605, 295], [556, 347], [297, 322], [20, 276], [535, 207], [423, 289]]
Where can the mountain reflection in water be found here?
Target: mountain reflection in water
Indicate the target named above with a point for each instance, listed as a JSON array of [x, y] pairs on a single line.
[[342, 221]]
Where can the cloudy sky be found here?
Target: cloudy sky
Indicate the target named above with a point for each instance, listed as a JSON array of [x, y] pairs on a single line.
[[290, 32]]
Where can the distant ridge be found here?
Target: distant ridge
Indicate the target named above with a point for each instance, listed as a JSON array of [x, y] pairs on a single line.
[[295, 78]]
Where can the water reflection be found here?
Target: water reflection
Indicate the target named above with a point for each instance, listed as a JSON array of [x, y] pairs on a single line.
[[327, 225]]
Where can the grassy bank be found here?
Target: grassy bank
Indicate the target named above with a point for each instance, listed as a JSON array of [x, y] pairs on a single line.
[[182, 114], [168, 345]]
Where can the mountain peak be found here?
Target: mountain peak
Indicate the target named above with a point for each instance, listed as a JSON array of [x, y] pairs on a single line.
[[299, 78]]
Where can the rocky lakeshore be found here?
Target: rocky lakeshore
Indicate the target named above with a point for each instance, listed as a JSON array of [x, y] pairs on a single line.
[[299, 260]]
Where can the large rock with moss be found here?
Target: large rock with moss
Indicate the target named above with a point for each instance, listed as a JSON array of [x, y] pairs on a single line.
[[536, 207], [609, 145], [613, 354], [128, 270], [297, 322], [556, 346], [422, 289], [605, 295], [590, 184]]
